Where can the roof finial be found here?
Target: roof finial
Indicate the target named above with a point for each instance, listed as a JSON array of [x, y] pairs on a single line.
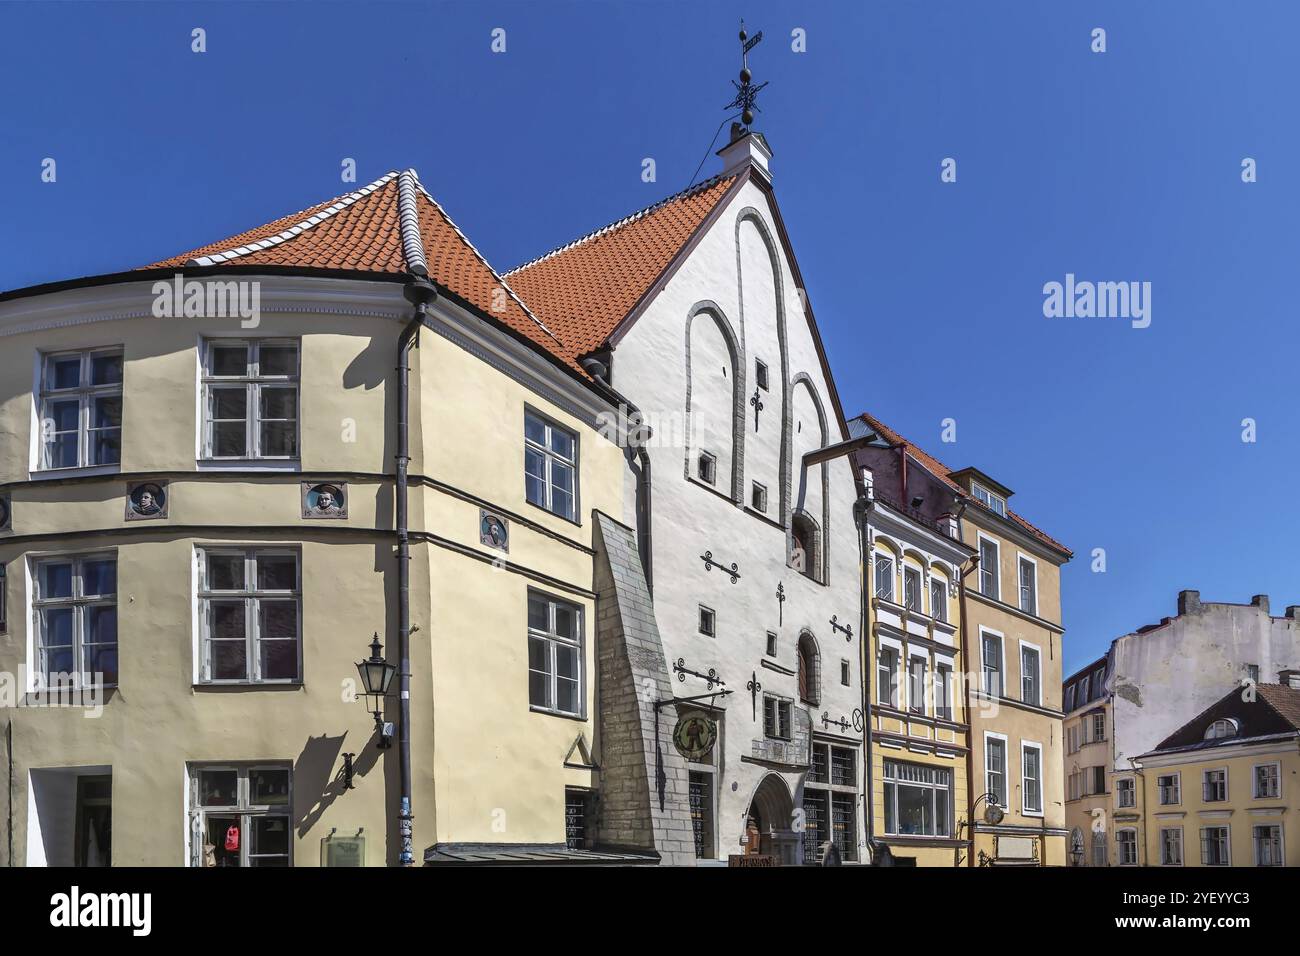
[[746, 92]]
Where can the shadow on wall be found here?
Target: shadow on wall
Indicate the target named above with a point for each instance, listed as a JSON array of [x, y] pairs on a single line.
[[318, 775]]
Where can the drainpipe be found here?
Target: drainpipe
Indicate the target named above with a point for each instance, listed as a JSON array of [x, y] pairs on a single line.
[[598, 370], [863, 508], [970, 723], [420, 292]]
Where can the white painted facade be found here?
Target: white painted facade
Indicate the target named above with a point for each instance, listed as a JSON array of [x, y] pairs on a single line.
[[731, 302]]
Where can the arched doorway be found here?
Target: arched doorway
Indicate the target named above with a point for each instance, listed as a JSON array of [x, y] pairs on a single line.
[[770, 821]]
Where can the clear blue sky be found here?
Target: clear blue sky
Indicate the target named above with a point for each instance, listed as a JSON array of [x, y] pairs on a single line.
[[1117, 166]]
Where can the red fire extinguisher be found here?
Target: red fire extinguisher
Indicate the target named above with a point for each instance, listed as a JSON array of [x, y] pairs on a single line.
[[232, 840]]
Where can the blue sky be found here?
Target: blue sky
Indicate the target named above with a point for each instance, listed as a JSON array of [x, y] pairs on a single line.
[[1115, 166]]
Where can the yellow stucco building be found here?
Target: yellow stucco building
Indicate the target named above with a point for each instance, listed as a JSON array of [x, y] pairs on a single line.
[[201, 529]]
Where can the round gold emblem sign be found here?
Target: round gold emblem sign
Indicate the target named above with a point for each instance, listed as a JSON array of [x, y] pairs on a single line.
[[694, 735]]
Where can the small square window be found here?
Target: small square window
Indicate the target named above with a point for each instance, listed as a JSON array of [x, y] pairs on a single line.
[[758, 498], [707, 469], [708, 621], [771, 643], [844, 673], [760, 374]]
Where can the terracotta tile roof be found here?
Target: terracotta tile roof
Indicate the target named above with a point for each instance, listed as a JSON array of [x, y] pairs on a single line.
[[583, 290], [1279, 715], [1283, 699], [364, 231], [943, 473]]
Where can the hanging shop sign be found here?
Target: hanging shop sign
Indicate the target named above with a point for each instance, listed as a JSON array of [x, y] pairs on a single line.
[[695, 734]]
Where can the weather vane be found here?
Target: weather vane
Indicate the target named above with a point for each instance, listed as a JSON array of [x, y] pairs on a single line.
[[746, 92]]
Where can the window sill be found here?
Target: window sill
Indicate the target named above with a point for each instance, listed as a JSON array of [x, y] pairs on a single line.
[[563, 715], [248, 464], [248, 685], [91, 471], [554, 514]]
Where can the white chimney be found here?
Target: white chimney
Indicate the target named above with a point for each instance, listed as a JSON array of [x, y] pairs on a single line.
[[746, 149]]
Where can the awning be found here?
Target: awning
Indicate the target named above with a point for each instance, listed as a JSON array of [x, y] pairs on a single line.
[[529, 854]]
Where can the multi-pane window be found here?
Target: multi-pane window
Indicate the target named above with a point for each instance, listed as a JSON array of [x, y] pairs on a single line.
[[1031, 784], [938, 599], [916, 685], [1069, 698], [1125, 792], [777, 718], [995, 769], [701, 801], [250, 603], [1096, 727], [1126, 843], [1267, 782], [708, 621], [81, 409], [250, 399], [577, 818], [1268, 845], [992, 645], [989, 568], [1169, 789], [1028, 587], [1171, 846], [1214, 786], [1221, 729], [918, 799], [995, 503], [550, 466], [240, 815], [943, 691], [1031, 689], [75, 606], [884, 578], [1214, 846], [706, 468], [1099, 848], [912, 589], [1252, 673], [554, 654], [887, 676], [830, 795]]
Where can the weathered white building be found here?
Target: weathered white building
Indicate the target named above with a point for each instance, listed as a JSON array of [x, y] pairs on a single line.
[[693, 310]]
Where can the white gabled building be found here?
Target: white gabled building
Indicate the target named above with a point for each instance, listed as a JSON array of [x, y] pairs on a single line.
[[694, 311]]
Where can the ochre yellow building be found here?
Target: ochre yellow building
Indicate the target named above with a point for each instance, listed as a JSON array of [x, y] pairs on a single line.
[[199, 520]]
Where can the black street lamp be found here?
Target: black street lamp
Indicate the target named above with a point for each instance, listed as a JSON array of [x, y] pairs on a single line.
[[376, 676]]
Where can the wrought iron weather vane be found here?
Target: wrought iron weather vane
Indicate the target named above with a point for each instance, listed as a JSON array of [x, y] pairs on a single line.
[[746, 92]]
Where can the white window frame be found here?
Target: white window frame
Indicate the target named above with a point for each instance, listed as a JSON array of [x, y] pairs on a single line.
[[1227, 845], [1006, 776], [1002, 662], [253, 381], [1281, 843], [914, 574], [1277, 780], [994, 502], [1230, 723], [39, 673], [943, 671], [1038, 677], [889, 688], [243, 807], [782, 717], [1125, 785], [1177, 776], [913, 705], [886, 563], [84, 394], [1205, 781], [1164, 846], [1119, 845], [939, 601], [1021, 560], [891, 785], [553, 640], [550, 460], [251, 596], [1025, 808], [996, 570]]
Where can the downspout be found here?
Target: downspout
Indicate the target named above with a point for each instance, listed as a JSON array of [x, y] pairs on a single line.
[[635, 422], [970, 724], [1141, 775], [863, 507], [420, 292]]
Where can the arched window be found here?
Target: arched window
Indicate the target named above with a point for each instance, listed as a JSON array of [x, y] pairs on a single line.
[[809, 670], [1224, 727], [805, 546]]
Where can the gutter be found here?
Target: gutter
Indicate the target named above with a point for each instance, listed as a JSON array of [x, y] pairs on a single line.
[[863, 508], [420, 292], [970, 723]]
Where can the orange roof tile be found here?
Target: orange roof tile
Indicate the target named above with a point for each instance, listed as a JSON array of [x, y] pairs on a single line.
[[943, 473], [362, 232], [583, 290]]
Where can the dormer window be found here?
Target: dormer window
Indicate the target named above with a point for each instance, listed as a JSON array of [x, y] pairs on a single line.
[[1225, 727], [995, 503]]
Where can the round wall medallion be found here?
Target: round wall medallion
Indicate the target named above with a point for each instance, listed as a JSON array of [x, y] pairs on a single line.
[[147, 499], [695, 734]]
